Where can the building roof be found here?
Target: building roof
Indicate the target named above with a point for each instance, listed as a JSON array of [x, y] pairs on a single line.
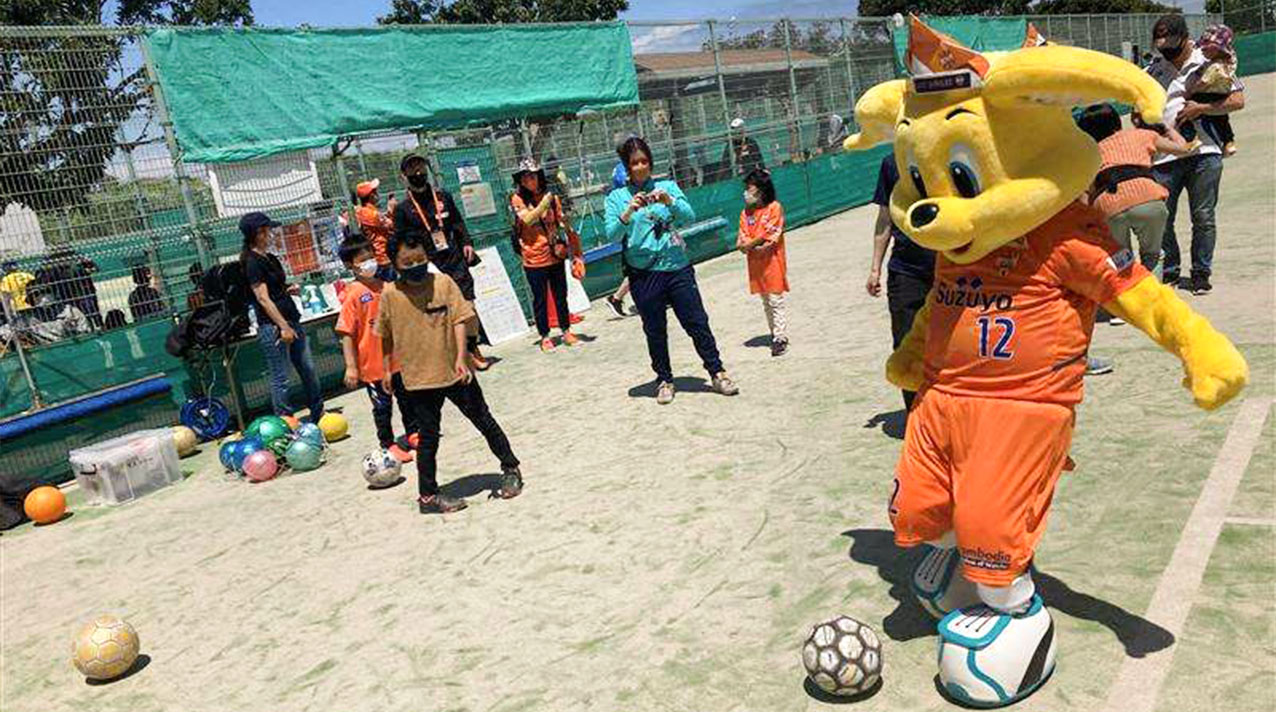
[[734, 61]]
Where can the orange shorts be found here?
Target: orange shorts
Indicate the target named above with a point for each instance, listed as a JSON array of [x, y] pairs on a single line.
[[984, 468]]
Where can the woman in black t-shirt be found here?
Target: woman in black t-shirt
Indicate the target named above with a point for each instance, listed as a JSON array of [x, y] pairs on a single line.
[[279, 330]]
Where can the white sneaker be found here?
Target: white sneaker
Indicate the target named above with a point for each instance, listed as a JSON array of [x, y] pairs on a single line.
[[992, 659], [1116, 321], [938, 584]]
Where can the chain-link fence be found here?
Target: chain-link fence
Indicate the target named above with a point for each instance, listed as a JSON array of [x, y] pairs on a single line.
[[104, 228]]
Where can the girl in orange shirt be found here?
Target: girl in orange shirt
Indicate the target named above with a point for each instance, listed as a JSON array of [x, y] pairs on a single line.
[[761, 240], [540, 226]]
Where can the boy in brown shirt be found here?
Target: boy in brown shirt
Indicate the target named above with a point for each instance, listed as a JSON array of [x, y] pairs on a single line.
[[422, 325]]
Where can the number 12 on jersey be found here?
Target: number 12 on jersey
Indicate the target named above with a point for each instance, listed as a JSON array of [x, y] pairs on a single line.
[[1001, 349]]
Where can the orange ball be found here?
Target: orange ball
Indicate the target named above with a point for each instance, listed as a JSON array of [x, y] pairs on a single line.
[[45, 505], [292, 421]]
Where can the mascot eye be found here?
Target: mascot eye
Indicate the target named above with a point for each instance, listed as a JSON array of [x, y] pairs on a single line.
[[964, 179], [918, 183]]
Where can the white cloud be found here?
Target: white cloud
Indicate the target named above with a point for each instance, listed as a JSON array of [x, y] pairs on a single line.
[[666, 38]]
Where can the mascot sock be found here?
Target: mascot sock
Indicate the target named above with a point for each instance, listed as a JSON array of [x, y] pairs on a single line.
[[1013, 599]]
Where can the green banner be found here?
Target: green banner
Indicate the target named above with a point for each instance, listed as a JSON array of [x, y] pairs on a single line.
[[239, 94], [984, 34], [1255, 54]]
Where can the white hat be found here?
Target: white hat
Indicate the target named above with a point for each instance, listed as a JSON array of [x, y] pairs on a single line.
[[737, 123]]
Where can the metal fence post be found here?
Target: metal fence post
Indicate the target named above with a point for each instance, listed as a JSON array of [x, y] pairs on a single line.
[[37, 401], [793, 96], [722, 92], [179, 170], [850, 71], [1089, 33]]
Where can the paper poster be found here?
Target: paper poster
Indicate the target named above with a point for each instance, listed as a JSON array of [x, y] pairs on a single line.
[[577, 298], [476, 199], [468, 172], [494, 298]]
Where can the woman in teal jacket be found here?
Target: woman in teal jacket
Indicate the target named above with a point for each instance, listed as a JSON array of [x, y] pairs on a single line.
[[642, 214]]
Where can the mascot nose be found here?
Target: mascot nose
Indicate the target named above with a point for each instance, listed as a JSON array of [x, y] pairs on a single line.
[[923, 214]]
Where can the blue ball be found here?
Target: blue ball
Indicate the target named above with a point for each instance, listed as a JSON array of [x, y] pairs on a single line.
[[247, 446], [226, 453], [311, 434]]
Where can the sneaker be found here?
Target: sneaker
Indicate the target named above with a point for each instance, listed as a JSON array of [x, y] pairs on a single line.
[[1201, 284], [779, 347], [1170, 279], [511, 483], [664, 393], [478, 363], [574, 318], [569, 339], [723, 384], [1229, 149], [547, 345], [412, 441], [617, 305], [440, 504], [1095, 366], [400, 453], [1116, 321]]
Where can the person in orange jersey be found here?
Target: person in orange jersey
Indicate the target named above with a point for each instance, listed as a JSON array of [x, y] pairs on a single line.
[[761, 240]]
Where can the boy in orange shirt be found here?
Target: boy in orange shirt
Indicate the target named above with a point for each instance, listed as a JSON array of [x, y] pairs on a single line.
[[361, 345], [376, 225], [761, 240]]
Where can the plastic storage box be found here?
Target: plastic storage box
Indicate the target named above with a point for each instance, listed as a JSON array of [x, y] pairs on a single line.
[[122, 469]]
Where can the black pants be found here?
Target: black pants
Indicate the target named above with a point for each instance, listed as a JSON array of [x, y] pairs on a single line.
[[553, 276], [1218, 127], [905, 296], [426, 408], [383, 410], [654, 293]]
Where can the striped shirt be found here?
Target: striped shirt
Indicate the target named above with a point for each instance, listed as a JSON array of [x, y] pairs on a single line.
[[1129, 147]]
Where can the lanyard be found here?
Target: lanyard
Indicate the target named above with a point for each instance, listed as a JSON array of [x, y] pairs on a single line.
[[438, 209]]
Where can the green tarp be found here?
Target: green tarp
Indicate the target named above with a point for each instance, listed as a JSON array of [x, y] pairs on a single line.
[[239, 94], [978, 33], [1256, 54]]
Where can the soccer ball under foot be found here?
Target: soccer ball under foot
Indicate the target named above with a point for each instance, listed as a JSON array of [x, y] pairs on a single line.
[[843, 657]]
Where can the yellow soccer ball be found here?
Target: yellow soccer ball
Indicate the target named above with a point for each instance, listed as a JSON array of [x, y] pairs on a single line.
[[185, 439], [106, 647], [334, 426]]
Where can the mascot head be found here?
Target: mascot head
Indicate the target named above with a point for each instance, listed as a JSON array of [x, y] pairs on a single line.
[[985, 144]]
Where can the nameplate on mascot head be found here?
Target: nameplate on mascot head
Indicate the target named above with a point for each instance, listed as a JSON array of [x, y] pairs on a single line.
[[960, 80]]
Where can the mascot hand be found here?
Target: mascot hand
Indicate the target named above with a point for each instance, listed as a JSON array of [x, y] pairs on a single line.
[[904, 369], [1215, 370]]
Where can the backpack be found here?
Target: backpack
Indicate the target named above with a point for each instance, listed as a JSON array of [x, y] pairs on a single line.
[[227, 285]]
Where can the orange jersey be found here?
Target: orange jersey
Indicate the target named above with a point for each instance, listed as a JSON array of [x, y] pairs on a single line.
[[377, 228], [1016, 324], [768, 266], [359, 308]]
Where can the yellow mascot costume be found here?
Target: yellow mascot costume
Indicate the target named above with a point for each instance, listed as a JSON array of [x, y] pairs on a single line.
[[992, 168]]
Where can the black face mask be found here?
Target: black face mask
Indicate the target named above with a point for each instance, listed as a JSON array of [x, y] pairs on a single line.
[[418, 181], [1171, 53]]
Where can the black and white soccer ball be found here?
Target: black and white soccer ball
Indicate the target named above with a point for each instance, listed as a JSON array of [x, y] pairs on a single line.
[[843, 657], [380, 468]]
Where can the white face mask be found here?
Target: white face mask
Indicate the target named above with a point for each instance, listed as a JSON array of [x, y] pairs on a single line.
[[366, 268], [750, 198]]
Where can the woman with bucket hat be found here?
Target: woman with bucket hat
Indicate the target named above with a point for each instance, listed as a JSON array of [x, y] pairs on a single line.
[[544, 239]]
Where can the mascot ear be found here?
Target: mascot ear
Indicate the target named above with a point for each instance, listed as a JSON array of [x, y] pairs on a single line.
[[1071, 76], [876, 113]]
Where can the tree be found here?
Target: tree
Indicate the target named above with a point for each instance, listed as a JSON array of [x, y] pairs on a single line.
[[65, 98], [1090, 7], [886, 8], [470, 12]]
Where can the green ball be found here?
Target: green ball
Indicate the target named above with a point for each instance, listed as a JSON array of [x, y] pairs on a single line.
[[279, 445], [304, 455], [268, 428]]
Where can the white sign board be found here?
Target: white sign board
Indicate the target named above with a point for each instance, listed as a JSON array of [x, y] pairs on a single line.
[[468, 172], [494, 298], [476, 199], [577, 298], [267, 184]]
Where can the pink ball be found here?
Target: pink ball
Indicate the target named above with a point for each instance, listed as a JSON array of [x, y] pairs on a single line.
[[261, 466]]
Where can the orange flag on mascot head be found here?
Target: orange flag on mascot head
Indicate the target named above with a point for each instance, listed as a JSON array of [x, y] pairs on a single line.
[[1034, 38]]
